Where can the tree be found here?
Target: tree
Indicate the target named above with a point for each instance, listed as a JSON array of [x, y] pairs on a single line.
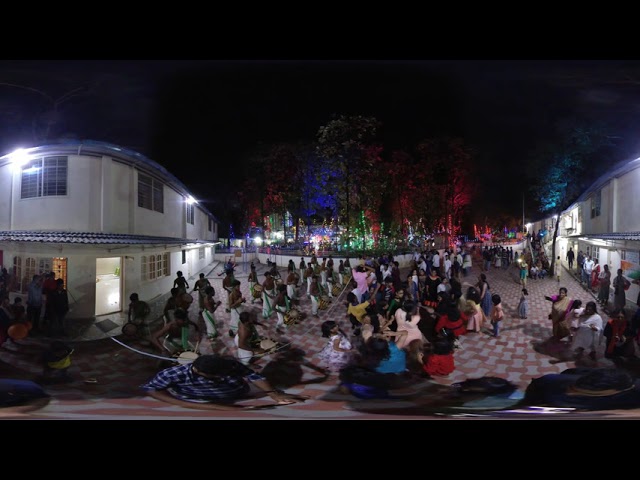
[[450, 186], [345, 144], [563, 168]]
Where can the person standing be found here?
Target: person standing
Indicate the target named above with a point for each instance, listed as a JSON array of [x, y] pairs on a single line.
[[268, 294], [48, 288], [524, 271], [559, 316], [570, 257], [604, 280], [588, 332], [587, 268], [248, 339], [59, 308], [236, 300], [34, 302], [200, 285], [497, 314], [208, 312], [620, 286], [523, 306], [253, 281], [180, 282], [227, 284]]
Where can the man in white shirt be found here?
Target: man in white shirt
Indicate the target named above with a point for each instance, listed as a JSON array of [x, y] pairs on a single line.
[[589, 332], [435, 261], [587, 268], [447, 266]]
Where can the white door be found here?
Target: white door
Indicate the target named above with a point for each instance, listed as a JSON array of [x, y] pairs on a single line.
[[108, 285]]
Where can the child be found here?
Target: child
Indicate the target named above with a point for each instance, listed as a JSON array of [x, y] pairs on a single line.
[[338, 350], [523, 306], [576, 310], [558, 267], [497, 314], [57, 361]]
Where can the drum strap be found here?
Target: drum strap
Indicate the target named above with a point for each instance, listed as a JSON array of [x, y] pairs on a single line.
[[185, 338], [209, 317]]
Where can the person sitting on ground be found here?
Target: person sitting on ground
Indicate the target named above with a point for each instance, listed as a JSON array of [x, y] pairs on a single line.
[[285, 370], [175, 334], [57, 360], [380, 369], [213, 382], [138, 310], [619, 340], [355, 310]]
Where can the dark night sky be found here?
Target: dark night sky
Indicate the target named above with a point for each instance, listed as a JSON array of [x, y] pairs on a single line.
[[201, 118]]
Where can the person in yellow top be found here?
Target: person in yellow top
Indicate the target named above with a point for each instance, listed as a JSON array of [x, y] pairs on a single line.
[[57, 361], [356, 311]]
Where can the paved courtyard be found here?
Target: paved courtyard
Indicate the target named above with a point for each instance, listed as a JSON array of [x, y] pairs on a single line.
[[118, 370]]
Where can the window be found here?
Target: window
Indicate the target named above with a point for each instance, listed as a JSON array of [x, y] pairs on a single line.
[[191, 209], [210, 222], [596, 200], [595, 253], [143, 267], [166, 266], [23, 272], [44, 177], [201, 253], [184, 257], [150, 193], [154, 266]]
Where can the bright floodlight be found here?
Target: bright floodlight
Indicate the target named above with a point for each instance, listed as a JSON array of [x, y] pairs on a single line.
[[19, 157], [258, 241], [191, 200]]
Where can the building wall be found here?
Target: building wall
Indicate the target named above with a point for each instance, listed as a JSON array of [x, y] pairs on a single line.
[[102, 196], [628, 192]]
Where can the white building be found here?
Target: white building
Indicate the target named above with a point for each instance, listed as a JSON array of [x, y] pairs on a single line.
[[106, 220], [604, 222]]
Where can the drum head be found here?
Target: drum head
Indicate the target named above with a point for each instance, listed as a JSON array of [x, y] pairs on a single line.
[[293, 313], [130, 329], [187, 357], [267, 344]]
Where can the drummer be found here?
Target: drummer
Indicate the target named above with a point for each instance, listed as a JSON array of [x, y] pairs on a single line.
[[235, 304], [248, 339], [253, 281], [227, 284], [314, 292], [268, 294], [326, 290], [292, 281], [282, 307], [175, 334]]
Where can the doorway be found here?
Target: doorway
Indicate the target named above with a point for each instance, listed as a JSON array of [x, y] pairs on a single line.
[[59, 267], [108, 285]]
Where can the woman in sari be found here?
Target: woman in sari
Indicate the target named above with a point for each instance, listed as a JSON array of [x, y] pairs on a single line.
[[559, 316]]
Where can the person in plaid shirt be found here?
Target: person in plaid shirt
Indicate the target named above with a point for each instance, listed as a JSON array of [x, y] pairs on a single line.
[[213, 382]]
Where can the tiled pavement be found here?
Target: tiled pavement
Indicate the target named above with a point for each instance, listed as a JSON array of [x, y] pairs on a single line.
[[119, 371]]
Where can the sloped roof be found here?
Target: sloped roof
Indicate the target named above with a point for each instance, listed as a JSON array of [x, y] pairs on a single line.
[[612, 236], [95, 238]]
